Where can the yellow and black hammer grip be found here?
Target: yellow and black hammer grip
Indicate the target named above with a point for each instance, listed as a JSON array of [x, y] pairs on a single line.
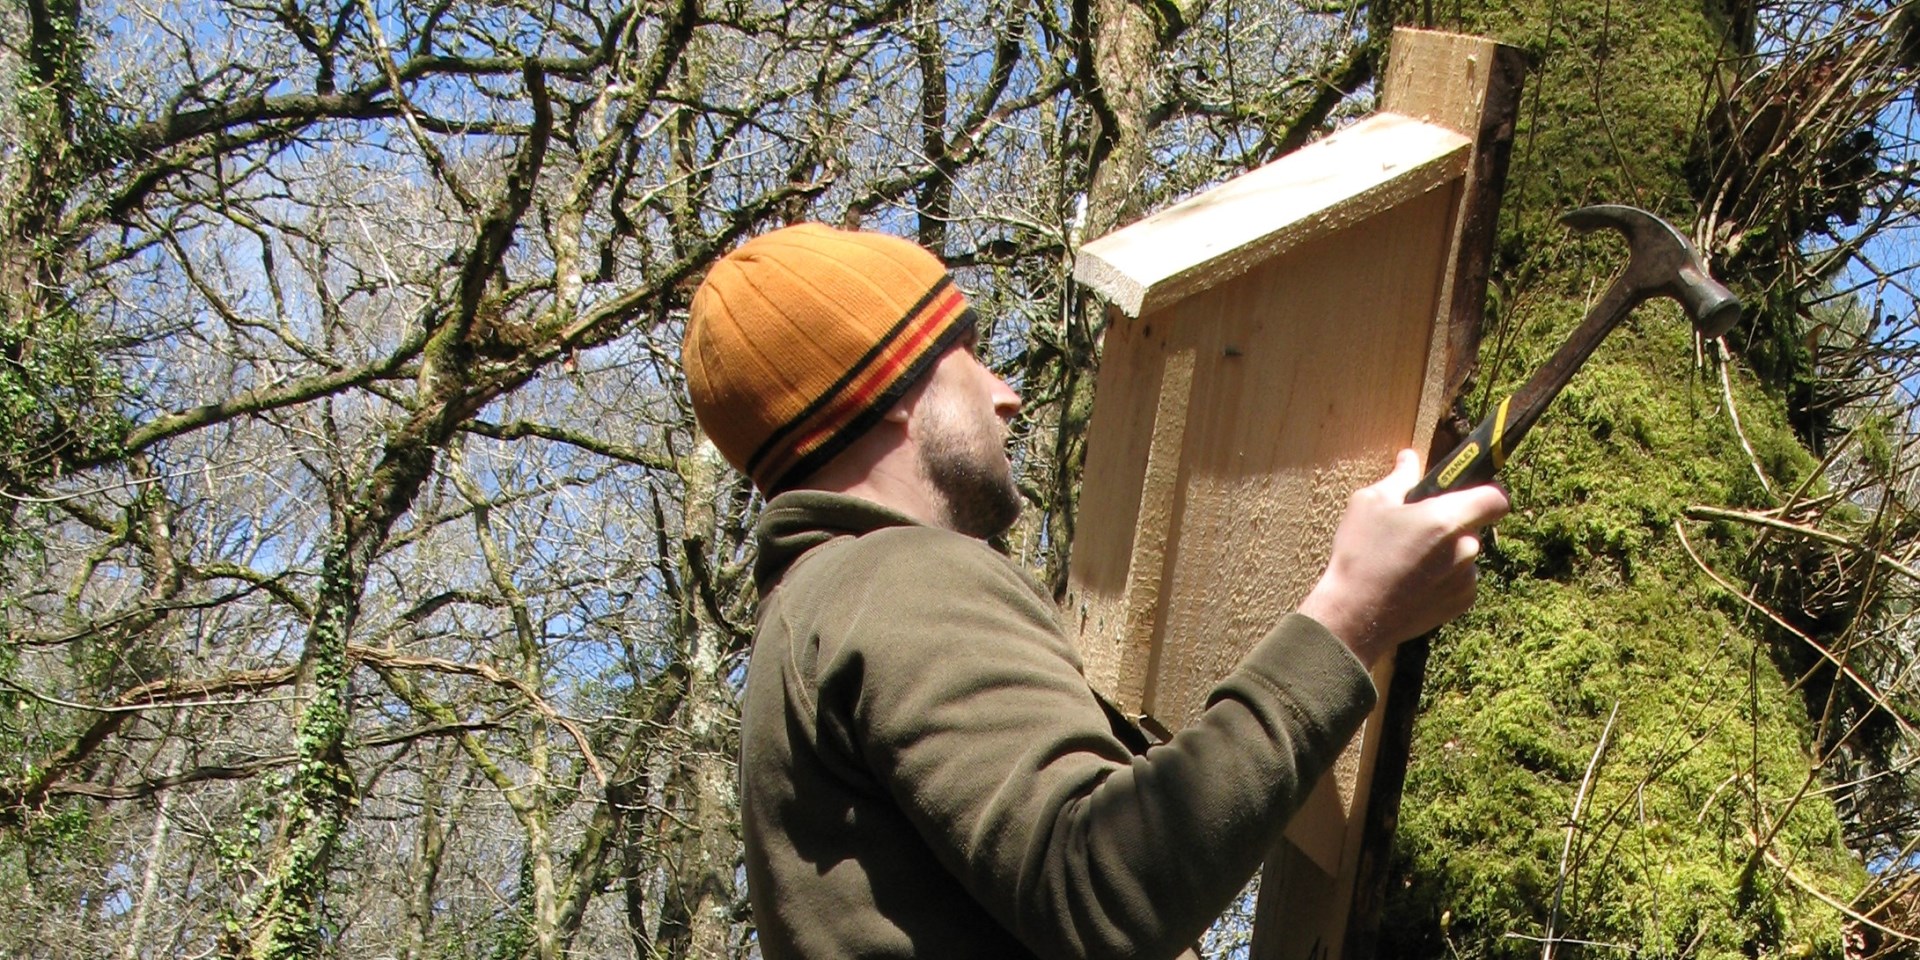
[[1476, 459]]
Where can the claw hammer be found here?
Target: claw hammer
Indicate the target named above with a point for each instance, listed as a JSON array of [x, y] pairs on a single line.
[[1660, 263]]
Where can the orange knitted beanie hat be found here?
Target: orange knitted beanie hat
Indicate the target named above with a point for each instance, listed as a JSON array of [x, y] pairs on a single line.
[[800, 340]]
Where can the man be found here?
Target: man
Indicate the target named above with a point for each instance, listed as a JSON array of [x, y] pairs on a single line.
[[925, 772]]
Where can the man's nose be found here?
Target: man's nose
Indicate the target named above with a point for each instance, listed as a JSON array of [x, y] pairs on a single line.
[[1006, 400]]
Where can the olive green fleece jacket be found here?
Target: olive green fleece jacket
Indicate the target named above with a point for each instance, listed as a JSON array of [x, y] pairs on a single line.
[[925, 772]]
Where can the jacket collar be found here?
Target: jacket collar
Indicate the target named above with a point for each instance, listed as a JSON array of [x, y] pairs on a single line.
[[799, 520]]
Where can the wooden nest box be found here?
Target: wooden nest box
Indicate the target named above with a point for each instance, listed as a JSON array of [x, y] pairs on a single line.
[[1271, 343]]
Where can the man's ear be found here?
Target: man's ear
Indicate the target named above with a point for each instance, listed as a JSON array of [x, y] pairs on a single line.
[[902, 410]]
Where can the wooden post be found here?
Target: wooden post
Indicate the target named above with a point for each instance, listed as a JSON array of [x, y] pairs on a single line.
[[1272, 342], [1486, 107]]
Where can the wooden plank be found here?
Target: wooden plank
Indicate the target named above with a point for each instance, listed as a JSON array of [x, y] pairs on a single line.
[[1374, 165], [1156, 528], [1470, 85], [1486, 108], [1272, 342], [1131, 366]]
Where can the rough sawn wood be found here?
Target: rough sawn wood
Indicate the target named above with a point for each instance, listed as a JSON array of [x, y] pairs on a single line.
[[1272, 342]]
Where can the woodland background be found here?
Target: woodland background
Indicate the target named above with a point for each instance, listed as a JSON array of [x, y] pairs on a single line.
[[367, 591]]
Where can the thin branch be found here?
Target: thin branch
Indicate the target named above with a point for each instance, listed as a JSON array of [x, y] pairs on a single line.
[[167, 694], [592, 444], [393, 659], [1702, 512], [1865, 686], [1828, 899], [1733, 413], [262, 399], [239, 771], [1573, 827]]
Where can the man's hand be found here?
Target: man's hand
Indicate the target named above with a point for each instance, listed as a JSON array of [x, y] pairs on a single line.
[[1401, 569]]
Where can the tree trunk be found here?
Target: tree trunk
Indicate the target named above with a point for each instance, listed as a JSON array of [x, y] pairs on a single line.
[[1124, 44], [136, 941], [697, 913], [1589, 597], [1121, 43]]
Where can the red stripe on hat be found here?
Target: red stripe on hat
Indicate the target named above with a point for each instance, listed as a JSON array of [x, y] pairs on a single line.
[[885, 370]]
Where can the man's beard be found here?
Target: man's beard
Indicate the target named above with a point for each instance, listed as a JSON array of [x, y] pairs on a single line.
[[973, 479]]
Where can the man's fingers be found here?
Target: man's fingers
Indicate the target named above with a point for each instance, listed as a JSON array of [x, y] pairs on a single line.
[[1475, 507], [1472, 508], [1407, 462]]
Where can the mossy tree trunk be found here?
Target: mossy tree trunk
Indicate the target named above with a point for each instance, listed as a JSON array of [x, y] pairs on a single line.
[[1608, 753]]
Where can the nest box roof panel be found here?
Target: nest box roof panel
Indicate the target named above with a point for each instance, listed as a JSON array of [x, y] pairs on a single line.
[[1371, 166]]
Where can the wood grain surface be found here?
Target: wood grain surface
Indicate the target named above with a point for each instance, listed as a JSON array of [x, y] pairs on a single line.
[[1272, 342]]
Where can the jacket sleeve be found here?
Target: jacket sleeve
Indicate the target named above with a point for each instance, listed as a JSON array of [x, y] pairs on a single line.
[[948, 678]]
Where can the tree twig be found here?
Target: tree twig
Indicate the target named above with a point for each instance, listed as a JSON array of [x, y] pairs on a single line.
[[1573, 827], [1702, 512], [394, 659]]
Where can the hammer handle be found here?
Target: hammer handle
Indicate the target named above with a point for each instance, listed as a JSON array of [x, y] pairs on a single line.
[[1475, 460], [1486, 448]]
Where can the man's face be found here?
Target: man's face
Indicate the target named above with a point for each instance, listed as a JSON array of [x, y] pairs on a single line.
[[961, 427]]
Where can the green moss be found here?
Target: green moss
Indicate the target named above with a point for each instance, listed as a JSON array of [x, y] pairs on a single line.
[[1696, 762], [1592, 603], [59, 402], [57, 399]]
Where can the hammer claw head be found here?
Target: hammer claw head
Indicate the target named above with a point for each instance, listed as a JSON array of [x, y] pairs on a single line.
[[1662, 263]]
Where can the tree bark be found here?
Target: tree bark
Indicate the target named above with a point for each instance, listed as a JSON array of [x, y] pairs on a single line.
[[696, 917]]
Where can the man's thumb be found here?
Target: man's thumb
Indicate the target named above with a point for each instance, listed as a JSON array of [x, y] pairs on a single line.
[[1406, 473]]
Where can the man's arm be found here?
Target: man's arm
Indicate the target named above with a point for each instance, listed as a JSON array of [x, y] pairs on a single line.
[[953, 685], [950, 679]]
